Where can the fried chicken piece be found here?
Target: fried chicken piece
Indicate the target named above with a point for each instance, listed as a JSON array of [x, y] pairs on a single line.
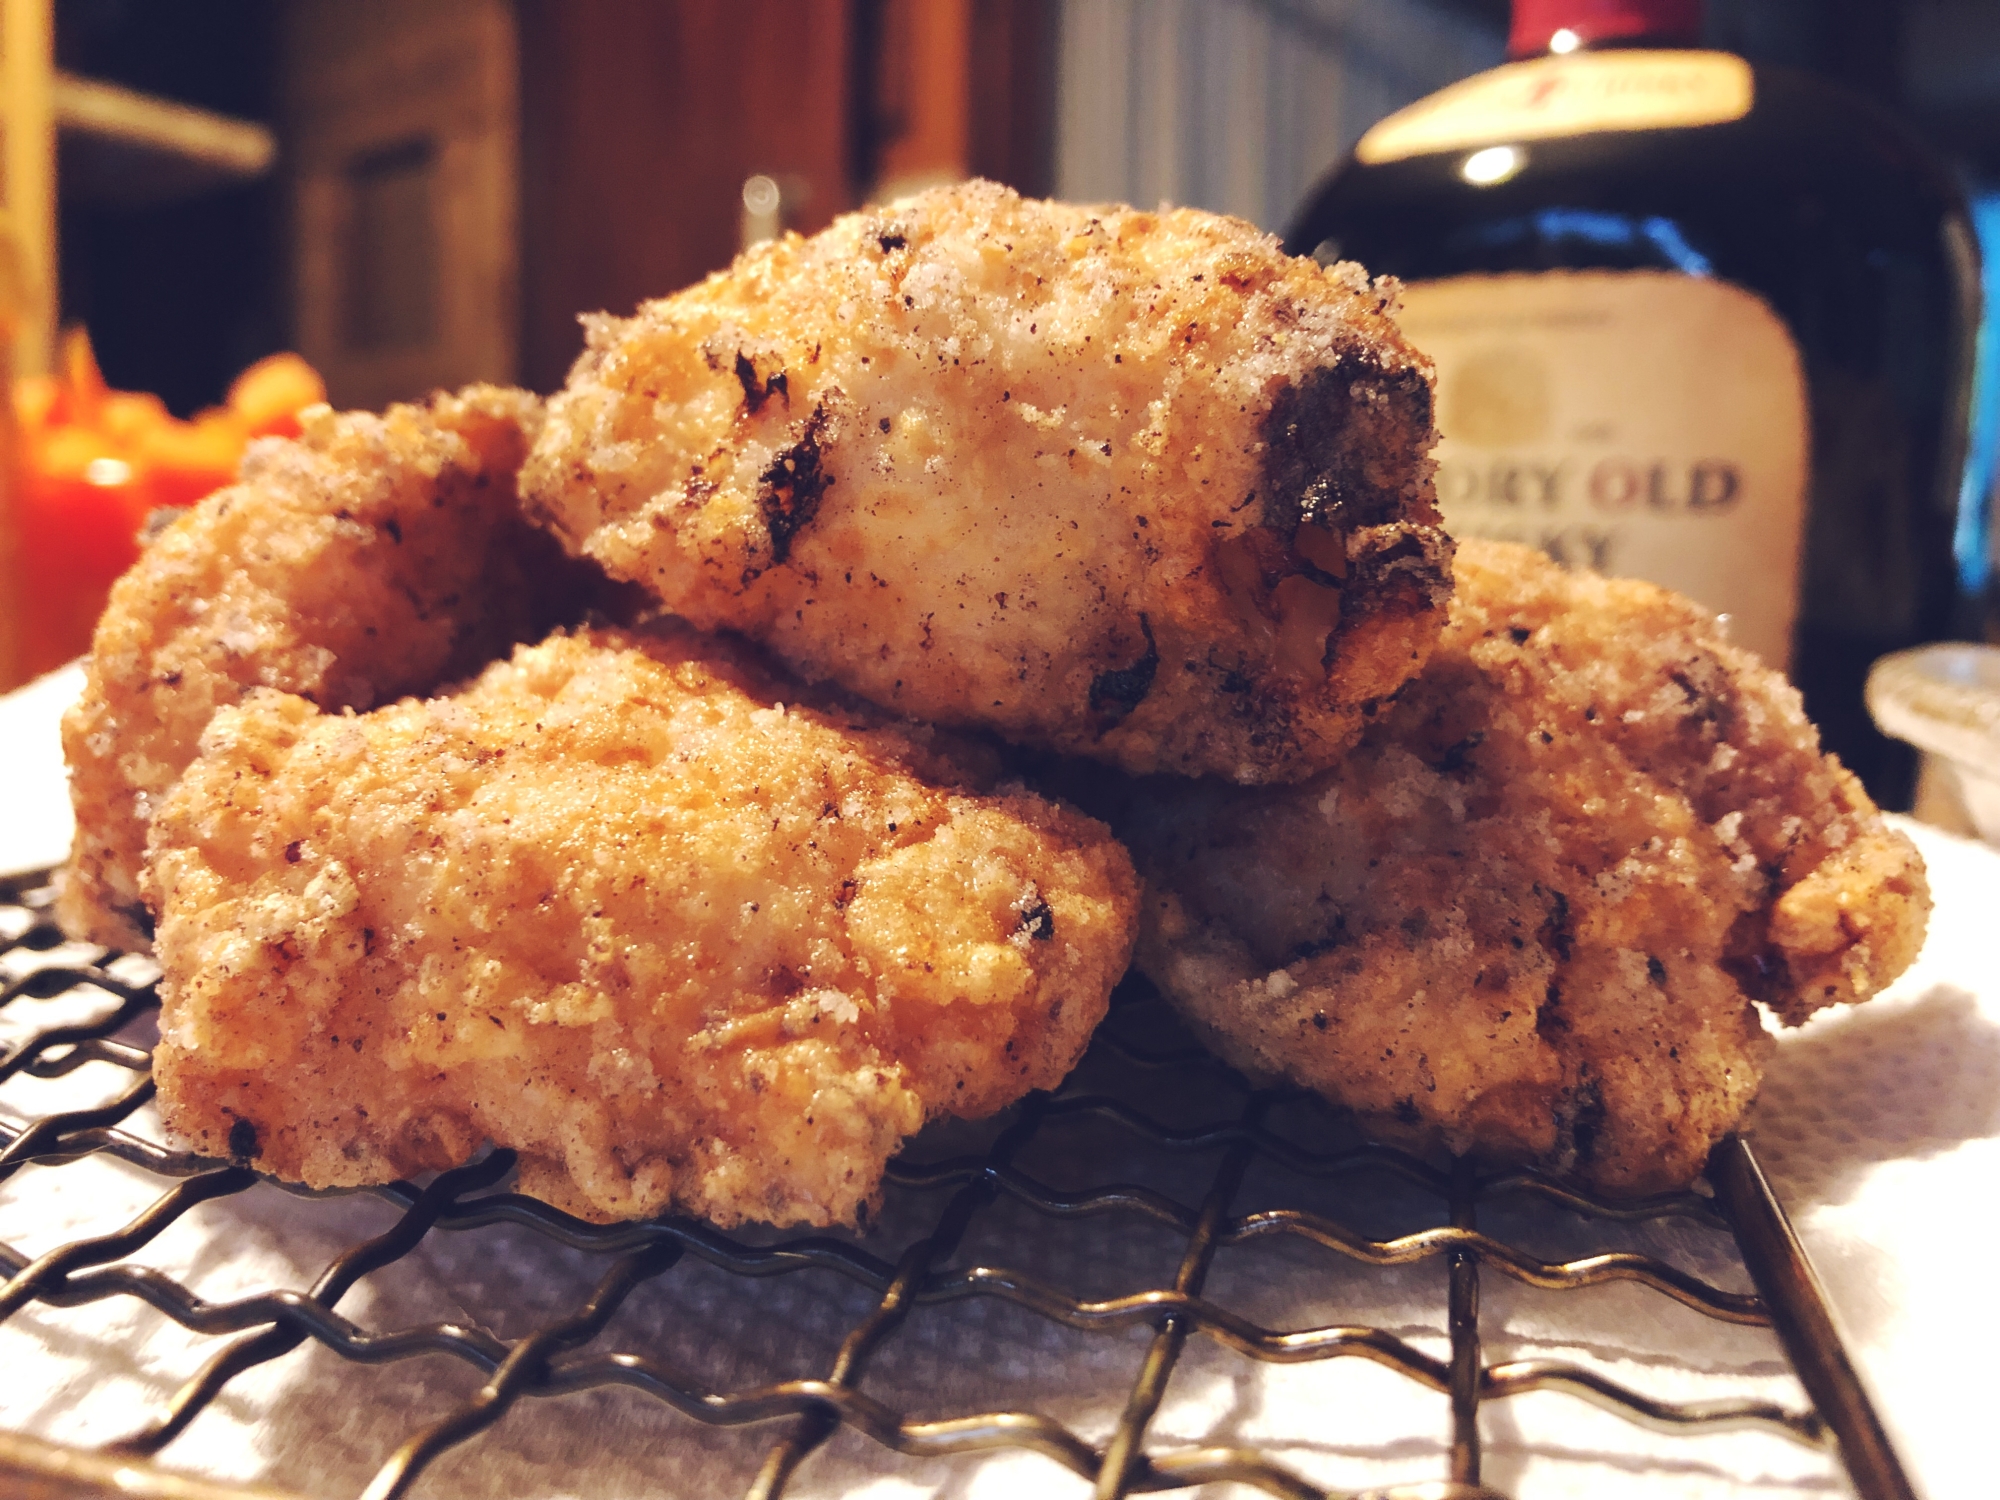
[[1528, 916], [624, 905], [1135, 486], [372, 557]]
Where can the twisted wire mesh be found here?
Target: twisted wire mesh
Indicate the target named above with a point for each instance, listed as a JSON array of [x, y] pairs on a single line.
[[1232, 1131]]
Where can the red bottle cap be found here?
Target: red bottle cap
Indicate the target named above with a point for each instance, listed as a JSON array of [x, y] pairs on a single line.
[[1537, 22]]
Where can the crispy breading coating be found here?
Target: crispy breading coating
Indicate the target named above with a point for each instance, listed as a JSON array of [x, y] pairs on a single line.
[[372, 557], [1135, 486], [1528, 916], [624, 905]]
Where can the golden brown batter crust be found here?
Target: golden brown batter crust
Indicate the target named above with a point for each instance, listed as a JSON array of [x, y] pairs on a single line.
[[374, 556], [1130, 485], [627, 906], [1529, 915]]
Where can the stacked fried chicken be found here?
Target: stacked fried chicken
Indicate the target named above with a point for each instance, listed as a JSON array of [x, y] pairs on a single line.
[[693, 858]]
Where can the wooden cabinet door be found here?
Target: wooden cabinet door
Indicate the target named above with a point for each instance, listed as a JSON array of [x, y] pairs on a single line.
[[402, 123]]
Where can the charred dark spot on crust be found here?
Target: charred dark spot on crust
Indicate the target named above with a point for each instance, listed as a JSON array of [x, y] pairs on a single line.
[[891, 241], [1710, 692], [845, 894], [792, 487], [1406, 1110], [1115, 693], [1336, 936], [293, 851], [1656, 971], [1550, 1022], [1038, 921], [1406, 570], [1457, 757], [1342, 446], [758, 388], [1557, 935], [1519, 634], [1587, 1119], [1320, 1022], [395, 529], [242, 1139]]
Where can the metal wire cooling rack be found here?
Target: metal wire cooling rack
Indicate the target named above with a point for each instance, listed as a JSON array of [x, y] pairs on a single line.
[[1234, 1132]]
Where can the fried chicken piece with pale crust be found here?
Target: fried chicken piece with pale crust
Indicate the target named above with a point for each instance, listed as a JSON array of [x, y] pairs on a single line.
[[1528, 916], [1135, 486], [373, 556], [624, 905]]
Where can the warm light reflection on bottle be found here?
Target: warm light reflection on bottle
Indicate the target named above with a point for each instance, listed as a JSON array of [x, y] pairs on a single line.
[[1494, 164]]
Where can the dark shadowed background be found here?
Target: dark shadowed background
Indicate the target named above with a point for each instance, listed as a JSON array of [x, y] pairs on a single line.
[[454, 180]]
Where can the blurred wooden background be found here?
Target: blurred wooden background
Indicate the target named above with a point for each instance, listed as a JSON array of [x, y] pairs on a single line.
[[417, 193], [641, 123], [485, 172]]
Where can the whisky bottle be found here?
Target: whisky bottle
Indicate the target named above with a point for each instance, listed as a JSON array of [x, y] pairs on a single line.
[[1695, 321]]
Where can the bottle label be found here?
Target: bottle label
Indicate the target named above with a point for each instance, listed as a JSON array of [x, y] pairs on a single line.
[[1552, 96], [1633, 422]]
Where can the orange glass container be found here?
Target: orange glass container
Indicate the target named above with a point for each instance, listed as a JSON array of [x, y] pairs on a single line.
[[79, 522], [93, 464]]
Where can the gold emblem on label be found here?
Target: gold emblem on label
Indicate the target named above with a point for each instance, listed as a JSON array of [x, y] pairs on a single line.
[[1498, 398]]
